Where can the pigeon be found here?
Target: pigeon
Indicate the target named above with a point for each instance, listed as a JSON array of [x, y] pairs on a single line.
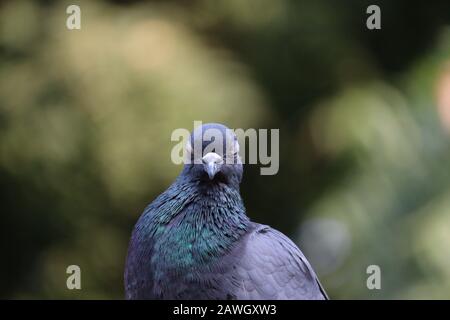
[[196, 242]]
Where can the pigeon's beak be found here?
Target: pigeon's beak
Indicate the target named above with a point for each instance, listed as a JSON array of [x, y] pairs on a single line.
[[212, 163]]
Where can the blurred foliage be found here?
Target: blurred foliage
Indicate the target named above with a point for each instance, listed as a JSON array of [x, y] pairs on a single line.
[[86, 118]]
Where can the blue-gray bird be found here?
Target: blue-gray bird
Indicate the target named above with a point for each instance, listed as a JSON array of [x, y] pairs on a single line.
[[195, 241]]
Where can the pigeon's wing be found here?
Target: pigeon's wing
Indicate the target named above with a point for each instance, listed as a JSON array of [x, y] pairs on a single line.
[[271, 266]]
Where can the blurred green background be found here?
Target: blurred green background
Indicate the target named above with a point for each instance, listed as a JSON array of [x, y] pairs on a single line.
[[364, 118]]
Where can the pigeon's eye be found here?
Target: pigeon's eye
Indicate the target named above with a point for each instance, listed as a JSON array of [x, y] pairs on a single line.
[[232, 148], [189, 147], [189, 154], [226, 147], [236, 146]]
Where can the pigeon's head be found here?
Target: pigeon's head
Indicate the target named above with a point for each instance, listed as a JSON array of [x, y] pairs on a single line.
[[212, 153]]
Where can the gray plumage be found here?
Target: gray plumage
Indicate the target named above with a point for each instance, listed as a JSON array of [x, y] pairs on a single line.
[[195, 240]]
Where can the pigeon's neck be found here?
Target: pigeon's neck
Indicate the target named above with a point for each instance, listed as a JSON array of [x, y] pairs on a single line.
[[215, 210], [204, 221]]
